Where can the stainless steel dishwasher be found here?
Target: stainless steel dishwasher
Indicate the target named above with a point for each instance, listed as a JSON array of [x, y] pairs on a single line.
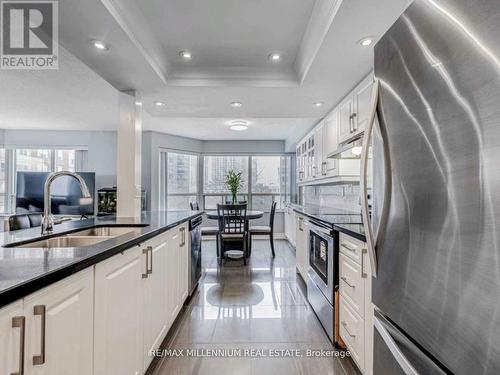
[[195, 258]]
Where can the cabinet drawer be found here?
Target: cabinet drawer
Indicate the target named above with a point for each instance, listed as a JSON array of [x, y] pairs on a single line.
[[352, 332], [352, 284], [351, 247]]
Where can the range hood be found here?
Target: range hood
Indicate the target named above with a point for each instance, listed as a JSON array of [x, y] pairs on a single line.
[[350, 149]]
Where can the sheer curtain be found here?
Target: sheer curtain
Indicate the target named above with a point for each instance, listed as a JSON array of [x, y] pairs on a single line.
[[81, 160], [162, 199]]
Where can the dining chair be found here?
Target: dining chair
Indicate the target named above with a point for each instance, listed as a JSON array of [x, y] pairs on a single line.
[[232, 229], [264, 230]]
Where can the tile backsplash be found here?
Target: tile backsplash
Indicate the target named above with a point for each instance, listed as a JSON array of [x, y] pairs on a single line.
[[345, 196]]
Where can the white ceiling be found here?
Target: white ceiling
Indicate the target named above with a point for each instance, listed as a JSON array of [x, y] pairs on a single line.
[[230, 41], [72, 97]]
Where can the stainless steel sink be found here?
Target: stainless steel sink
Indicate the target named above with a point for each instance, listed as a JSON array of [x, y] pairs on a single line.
[[105, 231], [82, 238], [65, 241]]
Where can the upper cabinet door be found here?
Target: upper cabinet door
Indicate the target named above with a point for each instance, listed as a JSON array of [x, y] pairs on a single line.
[[60, 326], [363, 99], [12, 331], [345, 120], [118, 314], [331, 143], [319, 136]]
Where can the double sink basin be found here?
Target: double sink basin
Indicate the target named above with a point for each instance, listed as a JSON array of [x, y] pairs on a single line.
[[82, 238]]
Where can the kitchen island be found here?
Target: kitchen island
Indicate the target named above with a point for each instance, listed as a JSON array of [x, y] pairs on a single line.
[[96, 308]]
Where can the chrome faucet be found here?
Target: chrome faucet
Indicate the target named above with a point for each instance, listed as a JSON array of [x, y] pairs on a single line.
[[48, 219]]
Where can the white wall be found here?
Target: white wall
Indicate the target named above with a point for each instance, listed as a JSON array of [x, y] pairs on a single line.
[[101, 146]]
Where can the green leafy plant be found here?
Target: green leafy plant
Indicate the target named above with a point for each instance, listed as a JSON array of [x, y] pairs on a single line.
[[234, 181]]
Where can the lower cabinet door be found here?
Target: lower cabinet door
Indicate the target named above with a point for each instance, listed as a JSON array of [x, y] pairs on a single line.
[[155, 313], [173, 287], [118, 341], [12, 331], [59, 327]]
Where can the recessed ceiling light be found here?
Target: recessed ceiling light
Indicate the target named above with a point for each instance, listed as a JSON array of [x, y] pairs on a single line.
[[238, 125], [186, 55], [275, 57], [365, 42], [236, 104], [159, 104], [100, 45], [318, 104]]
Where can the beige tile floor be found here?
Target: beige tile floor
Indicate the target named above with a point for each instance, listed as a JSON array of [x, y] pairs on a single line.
[[262, 307]]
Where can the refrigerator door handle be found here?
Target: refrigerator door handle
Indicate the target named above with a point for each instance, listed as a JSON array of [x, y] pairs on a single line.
[[403, 362], [370, 238]]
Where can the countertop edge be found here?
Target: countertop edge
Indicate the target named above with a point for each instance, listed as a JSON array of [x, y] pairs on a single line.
[[31, 286], [337, 227]]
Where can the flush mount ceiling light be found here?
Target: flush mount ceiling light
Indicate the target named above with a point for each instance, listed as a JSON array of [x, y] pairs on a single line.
[[236, 104], [365, 42], [275, 57], [238, 125], [186, 55], [138, 104], [318, 104], [159, 104], [99, 45]]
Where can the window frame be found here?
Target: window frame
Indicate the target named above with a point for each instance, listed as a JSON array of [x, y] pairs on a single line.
[[167, 194]]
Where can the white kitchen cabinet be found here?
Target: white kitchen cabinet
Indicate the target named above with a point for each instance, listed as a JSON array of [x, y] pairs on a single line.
[[118, 329], [319, 137], [12, 332], [155, 309], [173, 278], [290, 230], [356, 309], [346, 110], [363, 96], [331, 143], [60, 326], [302, 246]]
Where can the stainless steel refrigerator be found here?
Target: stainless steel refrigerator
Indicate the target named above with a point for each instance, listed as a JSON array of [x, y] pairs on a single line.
[[434, 231]]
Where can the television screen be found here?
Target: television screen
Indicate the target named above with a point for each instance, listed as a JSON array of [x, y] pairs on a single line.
[[66, 194]]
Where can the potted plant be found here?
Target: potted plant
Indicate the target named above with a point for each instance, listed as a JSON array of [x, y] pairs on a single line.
[[234, 182]]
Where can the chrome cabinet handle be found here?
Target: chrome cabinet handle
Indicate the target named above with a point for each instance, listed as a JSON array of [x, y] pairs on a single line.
[[363, 273], [20, 322], [353, 122], [347, 282], [348, 248], [42, 311], [344, 324], [146, 252], [150, 250]]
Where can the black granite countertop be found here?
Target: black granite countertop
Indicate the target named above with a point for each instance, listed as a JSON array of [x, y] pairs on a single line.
[[343, 220], [26, 270]]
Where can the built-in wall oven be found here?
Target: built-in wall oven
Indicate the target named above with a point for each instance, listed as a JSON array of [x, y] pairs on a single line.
[[323, 278]]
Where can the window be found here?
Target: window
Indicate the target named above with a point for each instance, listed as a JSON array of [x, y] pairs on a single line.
[[269, 178], [270, 181], [65, 160], [3, 181], [179, 180], [32, 160]]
